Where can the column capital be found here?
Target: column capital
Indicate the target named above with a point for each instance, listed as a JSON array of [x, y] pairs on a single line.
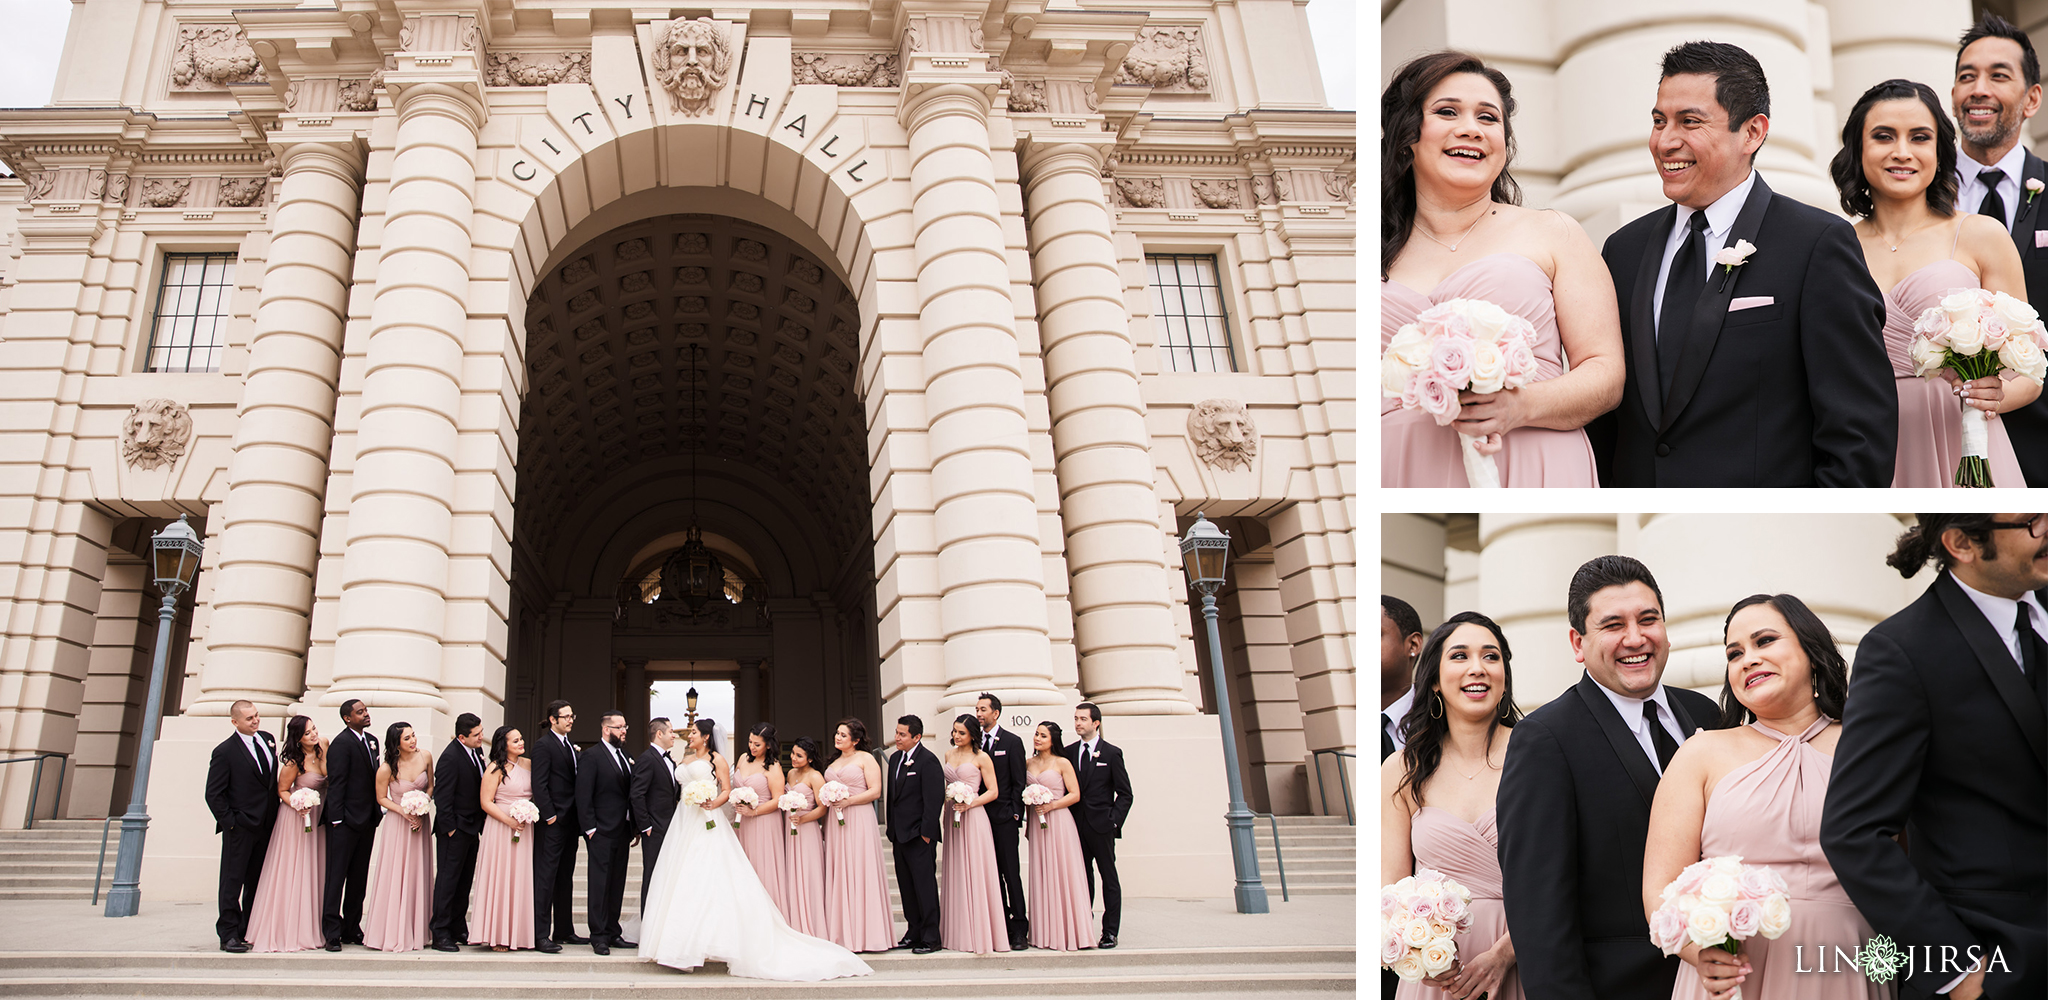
[[438, 83], [340, 155], [1044, 149], [930, 94]]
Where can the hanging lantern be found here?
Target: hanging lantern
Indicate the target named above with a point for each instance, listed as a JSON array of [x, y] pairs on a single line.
[[693, 574]]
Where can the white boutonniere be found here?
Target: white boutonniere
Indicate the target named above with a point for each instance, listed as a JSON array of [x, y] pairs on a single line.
[[1731, 258], [2033, 187]]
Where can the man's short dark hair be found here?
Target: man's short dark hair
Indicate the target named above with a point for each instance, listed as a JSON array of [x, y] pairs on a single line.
[[993, 701], [555, 708], [1739, 84], [1600, 574], [466, 722], [1403, 615], [658, 725], [348, 708], [1993, 26], [613, 714], [1094, 714], [912, 723]]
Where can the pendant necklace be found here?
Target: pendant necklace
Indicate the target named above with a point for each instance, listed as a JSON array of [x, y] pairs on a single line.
[[1453, 247]]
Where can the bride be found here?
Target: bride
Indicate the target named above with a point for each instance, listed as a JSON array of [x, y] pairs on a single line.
[[704, 901]]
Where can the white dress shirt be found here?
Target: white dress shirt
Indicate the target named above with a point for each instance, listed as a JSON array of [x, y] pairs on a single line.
[[2003, 614], [1631, 710], [256, 750], [1090, 751], [1394, 712], [1721, 217], [1970, 193]]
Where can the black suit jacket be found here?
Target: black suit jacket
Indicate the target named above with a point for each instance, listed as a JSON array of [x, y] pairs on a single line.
[[458, 787], [350, 798], [1105, 787], [1797, 392], [654, 791], [2028, 425], [604, 790], [1573, 813], [1008, 757], [554, 779], [239, 792], [916, 801], [1943, 738]]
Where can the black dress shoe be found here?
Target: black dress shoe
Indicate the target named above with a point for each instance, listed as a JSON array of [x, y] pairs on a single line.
[[546, 946], [445, 945], [572, 939], [1020, 945], [905, 943], [623, 943], [234, 945], [1108, 941], [598, 946], [333, 946], [356, 939], [924, 949]]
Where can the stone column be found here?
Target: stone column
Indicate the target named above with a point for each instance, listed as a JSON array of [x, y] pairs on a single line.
[[1872, 43], [1123, 610], [394, 586], [1526, 562], [277, 479], [746, 698], [635, 702]]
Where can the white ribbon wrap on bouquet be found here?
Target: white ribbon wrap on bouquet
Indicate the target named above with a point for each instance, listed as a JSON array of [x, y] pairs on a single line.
[[1482, 473], [1976, 434]]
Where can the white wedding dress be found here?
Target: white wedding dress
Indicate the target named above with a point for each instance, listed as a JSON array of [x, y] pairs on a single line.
[[705, 902]]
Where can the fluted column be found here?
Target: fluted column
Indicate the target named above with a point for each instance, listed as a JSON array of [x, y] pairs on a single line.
[[1123, 623], [395, 575], [991, 574], [1526, 562], [277, 479]]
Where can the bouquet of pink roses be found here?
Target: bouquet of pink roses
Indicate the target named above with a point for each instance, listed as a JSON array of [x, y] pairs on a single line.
[[959, 792], [304, 799], [1038, 795], [1720, 903], [1451, 347], [791, 803], [742, 796], [525, 813], [831, 794], [1420, 917], [1978, 333]]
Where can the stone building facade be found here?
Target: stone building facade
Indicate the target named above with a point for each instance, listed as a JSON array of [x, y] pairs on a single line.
[[453, 322]]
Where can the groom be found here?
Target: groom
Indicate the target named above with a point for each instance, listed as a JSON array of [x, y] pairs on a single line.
[[1945, 737], [1573, 810], [1770, 372]]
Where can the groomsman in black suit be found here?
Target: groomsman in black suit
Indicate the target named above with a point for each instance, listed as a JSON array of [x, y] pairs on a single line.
[[350, 807], [241, 792], [458, 823], [604, 801], [1401, 639], [1772, 372], [554, 853], [1945, 737], [1006, 812], [654, 794], [1997, 88], [1105, 802], [917, 792], [1573, 808]]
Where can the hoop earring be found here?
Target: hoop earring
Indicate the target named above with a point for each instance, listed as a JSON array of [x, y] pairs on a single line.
[[1436, 705]]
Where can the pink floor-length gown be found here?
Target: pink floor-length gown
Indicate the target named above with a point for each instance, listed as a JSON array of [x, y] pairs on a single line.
[[1467, 852], [286, 914], [857, 915], [970, 898], [803, 899], [1056, 892], [501, 912], [1414, 451], [402, 890], [1768, 813], [761, 839], [1930, 418]]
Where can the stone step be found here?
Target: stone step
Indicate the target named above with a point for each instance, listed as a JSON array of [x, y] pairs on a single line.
[[12, 881]]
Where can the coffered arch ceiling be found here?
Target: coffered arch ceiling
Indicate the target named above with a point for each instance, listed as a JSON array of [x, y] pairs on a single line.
[[692, 334]]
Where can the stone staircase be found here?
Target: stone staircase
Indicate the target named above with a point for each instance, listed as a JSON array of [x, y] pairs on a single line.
[[55, 860], [1321, 854]]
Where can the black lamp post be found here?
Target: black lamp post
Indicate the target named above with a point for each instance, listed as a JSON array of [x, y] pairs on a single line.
[[1204, 551], [175, 562]]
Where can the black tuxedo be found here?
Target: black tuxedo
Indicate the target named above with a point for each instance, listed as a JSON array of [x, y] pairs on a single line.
[[458, 822], [350, 808], [241, 792], [1573, 813], [2028, 425], [917, 794], [1005, 812], [604, 799], [1943, 738], [1105, 802], [554, 848], [654, 794], [1794, 392]]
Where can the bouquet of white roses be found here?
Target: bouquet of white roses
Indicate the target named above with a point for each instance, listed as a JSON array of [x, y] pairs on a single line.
[[699, 792], [958, 791], [1978, 333], [742, 797], [304, 800], [1038, 795], [524, 813], [1453, 346], [1720, 903], [833, 793], [791, 803], [415, 803], [1420, 917]]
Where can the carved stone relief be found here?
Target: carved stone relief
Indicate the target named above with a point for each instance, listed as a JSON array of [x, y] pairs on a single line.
[[875, 69], [155, 433], [1026, 96], [1342, 186], [537, 69], [357, 95], [165, 192], [40, 184], [117, 189], [1168, 59], [691, 59], [1223, 433], [1140, 192], [242, 192], [1218, 192], [212, 56], [1262, 190]]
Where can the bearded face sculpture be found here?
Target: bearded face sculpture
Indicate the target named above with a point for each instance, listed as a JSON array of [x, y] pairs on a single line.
[[691, 58], [1224, 435], [155, 433]]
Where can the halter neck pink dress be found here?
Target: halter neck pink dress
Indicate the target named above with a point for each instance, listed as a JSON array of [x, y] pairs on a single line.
[[1469, 854], [1930, 419], [1414, 451], [1768, 813]]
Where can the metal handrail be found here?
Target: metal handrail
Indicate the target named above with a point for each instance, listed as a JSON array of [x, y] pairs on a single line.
[[1279, 860], [101, 871], [36, 785], [1342, 782]]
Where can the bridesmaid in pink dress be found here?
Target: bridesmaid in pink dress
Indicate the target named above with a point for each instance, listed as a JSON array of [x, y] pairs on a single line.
[[1460, 232], [857, 915], [804, 903], [1756, 791], [402, 892], [970, 897], [761, 827], [1918, 250], [286, 914], [501, 914], [1056, 896]]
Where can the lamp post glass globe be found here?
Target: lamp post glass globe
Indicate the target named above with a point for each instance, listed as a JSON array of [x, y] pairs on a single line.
[[1205, 552]]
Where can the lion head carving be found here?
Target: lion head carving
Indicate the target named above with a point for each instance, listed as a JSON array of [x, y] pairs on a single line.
[[1223, 433], [155, 433], [691, 58]]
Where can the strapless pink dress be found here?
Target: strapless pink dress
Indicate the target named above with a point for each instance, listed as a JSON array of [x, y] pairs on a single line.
[[1930, 419], [1469, 854], [1414, 451]]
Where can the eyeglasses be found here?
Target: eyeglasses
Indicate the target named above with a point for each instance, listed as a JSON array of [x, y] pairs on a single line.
[[567, 715], [2036, 525]]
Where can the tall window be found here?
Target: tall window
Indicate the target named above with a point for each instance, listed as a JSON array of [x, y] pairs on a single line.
[[191, 312], [1187, 308]]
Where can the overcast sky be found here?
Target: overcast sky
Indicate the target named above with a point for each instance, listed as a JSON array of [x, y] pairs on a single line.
[[34, 38]]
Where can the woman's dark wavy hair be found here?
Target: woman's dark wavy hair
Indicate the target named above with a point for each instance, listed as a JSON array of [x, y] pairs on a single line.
[[710, 730], [1847, 166], [1830, 670], [501, 751], [770, 749], [1922, 541], [856, 730], [295, 735], [1401, 110], [1052, 730], [1425, 750], [973, 729], [813, 754], [392, 733]]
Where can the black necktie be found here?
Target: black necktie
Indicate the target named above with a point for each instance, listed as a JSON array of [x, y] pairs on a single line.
[[1993, 205], [2032, 658], [478, 756], [571, 747], [1659, 736], [1387, 747], [1682, 286]]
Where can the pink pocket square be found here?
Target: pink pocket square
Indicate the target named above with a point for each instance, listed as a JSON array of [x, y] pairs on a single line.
[[1749, 302], [2041, 238]]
